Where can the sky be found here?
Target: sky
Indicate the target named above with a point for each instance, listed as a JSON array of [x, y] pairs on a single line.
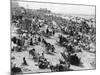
[[60, 8]]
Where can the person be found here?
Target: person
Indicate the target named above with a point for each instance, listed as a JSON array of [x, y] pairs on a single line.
[[15, 70], [31, 41], [52, 48], [74, 60], [24, 61], [70, 49], [14, 40], [32, 52], [39, 39], [43, 63]]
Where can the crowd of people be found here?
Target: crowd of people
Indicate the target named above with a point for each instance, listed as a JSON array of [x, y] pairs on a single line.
[[74, 34]]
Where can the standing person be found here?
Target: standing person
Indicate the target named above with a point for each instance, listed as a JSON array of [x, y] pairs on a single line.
[[24, 61]]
